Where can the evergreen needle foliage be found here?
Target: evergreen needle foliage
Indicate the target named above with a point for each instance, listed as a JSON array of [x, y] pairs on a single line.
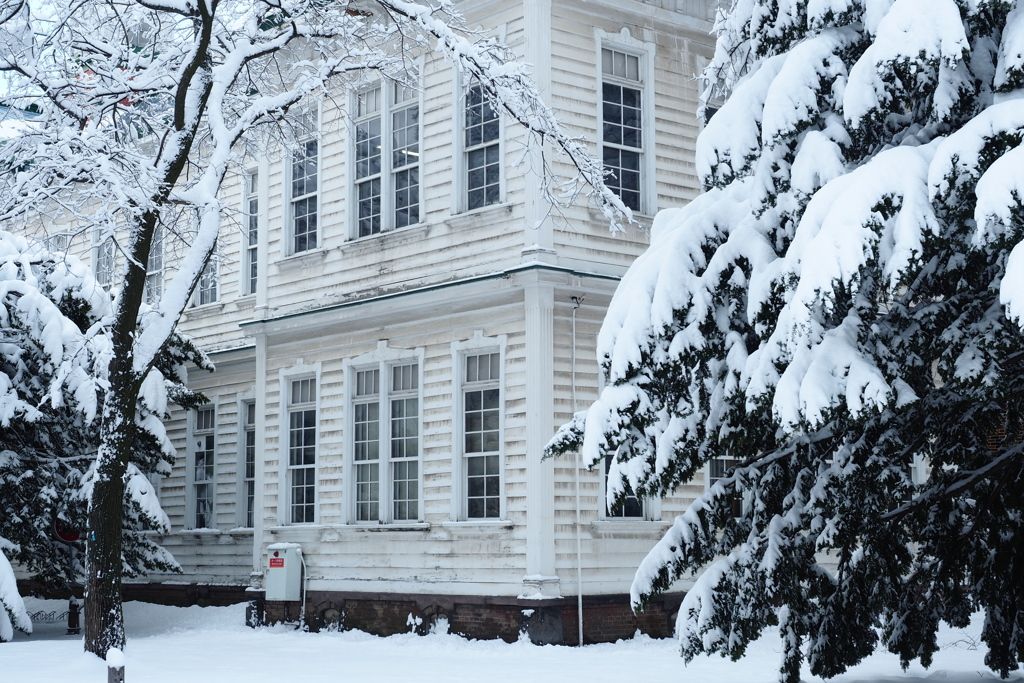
[[840, 310], [53, 357]]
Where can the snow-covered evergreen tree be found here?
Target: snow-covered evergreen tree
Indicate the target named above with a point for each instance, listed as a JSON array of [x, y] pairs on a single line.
[[842, 308], [53, 360]]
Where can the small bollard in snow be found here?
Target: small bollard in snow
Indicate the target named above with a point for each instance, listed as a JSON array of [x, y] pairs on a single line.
[[115, 666], [74, 610]]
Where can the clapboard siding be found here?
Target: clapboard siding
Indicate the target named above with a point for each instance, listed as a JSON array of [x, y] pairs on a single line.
[[231, 554], [364, 555], [421, 290]]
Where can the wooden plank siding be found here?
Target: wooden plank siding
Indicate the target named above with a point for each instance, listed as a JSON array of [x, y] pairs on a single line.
[[354, 553], [425, 290], [222, 554]]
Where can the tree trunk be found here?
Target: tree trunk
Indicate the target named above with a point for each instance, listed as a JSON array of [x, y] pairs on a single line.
[[104, 621]]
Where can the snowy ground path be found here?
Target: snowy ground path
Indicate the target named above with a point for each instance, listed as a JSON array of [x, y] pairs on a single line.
[[196, 645]]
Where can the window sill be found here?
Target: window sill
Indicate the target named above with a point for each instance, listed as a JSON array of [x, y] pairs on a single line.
[[303, 259], [472, 217], [644, 221], [285, 528], [208, 536], [206, 310], [628, 528], [370, 243], [375, 528], [478, 526]]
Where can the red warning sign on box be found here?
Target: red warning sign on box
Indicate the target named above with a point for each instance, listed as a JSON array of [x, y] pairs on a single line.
[[276, 562]]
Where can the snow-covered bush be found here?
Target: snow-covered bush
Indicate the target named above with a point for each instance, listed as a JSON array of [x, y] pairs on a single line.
[[840, 314]]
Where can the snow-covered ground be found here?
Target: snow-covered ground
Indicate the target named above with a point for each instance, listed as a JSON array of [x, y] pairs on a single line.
[[194, 645]]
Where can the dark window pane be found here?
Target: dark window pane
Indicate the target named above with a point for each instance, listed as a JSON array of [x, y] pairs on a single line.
[[490, 399]]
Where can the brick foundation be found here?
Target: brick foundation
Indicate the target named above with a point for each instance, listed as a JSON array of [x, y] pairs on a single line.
[[606, 618], [178, 595], [551, 621]]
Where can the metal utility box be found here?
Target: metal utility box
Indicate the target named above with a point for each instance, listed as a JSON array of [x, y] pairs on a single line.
[[284, 572]]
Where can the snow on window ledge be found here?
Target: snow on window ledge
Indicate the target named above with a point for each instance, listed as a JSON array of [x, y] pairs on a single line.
[[643, 220], [205, 310]]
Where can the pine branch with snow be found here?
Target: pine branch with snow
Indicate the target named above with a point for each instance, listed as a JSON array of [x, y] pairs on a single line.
[[53, 363], [838, 317]]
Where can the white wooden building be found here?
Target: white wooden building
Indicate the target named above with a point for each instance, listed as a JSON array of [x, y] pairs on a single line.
[[399, 327]]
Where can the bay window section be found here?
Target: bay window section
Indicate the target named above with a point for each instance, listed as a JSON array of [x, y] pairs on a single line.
[[206, 289], [630, 507], [58, 243], [103, 260], [405, 449], [718, 468]]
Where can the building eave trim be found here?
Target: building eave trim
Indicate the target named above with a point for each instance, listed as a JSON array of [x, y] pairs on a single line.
[[526, 267]]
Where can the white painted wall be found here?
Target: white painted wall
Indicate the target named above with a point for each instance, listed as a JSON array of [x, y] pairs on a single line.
[[430, 289]]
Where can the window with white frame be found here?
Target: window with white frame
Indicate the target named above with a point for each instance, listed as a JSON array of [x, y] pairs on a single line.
[[303, 228], [630, 507], [718, 468], [203, 466], [622, 123], [58, 243], [386, 439], [387, 156], [481, 406], [366, 445], [302, 436], [249, 462], [251, 234], [155, 268], [206, 289], [482, 149], [103, 260]]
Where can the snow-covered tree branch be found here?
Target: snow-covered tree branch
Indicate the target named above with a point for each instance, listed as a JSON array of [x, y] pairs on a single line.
[[840, 316], [143, 107]]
